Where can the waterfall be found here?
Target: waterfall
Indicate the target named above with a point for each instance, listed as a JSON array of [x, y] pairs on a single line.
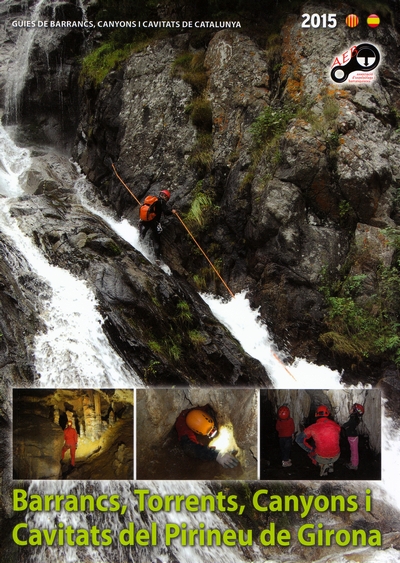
[[73, 351], [14, 165], [19, 67], [244, 324], [122, 227]]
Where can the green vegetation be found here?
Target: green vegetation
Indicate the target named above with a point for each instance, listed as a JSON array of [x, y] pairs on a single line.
[[270, 125], [200, 281], [201, 204], [197, 338], [201, 114], [97, 64], [168, 347], [184, 314], [155, 346], [363, 323], [173, 349], [202, 155], [202, 209], [151, 369], [344, 208], [190, 68], [267, 131]]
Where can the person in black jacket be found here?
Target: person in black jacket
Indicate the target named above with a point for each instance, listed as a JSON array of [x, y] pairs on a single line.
[[150, 216], [350, 428]]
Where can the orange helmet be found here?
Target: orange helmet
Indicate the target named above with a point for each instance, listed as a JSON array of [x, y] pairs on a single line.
[[201, 423], [165, 194], [283, 412], [321, 411]]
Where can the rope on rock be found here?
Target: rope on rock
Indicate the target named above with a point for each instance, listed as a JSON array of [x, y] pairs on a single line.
[[199, 247], [205, 255], [280, 361], [123, 183]]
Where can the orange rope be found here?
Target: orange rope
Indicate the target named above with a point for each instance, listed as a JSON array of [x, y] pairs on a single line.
[[280, 361], [176, 214], [208, 260], [123, 183], [197, 244]]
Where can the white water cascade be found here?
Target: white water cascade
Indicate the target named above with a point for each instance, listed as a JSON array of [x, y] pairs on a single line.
[[245, 325], [116, 523], [73, 351], [18, 72], [18, 67]]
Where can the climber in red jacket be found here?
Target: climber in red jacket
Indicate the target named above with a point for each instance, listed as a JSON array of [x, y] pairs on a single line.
[[285, 428], [70, 442], [325, 434], [200, 421]]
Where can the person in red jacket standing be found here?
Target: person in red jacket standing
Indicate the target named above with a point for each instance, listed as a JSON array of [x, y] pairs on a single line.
[[325, 434], [285, 428], [70, 442]]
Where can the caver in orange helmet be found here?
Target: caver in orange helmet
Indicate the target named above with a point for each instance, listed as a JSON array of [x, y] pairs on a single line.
[[321, 411], [165, 194], [283, 413], [359, 409], [201, 423]]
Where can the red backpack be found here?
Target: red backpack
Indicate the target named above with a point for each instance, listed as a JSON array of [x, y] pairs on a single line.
[[147, 209]]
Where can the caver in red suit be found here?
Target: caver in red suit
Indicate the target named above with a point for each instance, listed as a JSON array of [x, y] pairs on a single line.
[[70, 442], [200, 421], [326, 434]]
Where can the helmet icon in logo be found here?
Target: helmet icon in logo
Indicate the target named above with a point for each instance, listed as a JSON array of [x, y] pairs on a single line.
[[365, 57]]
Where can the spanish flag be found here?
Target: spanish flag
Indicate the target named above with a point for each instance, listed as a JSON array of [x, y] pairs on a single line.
[[373, 20], [352, 20]]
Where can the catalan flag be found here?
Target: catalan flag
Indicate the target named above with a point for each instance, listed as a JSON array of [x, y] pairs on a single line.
[[352, 20], [373, 20]]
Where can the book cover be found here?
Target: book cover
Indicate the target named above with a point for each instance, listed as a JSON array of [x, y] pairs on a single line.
[[199, 281]]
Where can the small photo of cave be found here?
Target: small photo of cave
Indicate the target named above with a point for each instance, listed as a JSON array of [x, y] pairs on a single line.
[[73, 434], [320, 434], [196, 434]]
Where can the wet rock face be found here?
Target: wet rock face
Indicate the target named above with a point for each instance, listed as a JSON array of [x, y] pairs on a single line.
[[18, 320], [238, 89], [141, 125], [280, 219], [158, 323]]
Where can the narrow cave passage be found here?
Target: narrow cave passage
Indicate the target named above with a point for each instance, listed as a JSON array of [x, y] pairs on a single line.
[[160, 453]]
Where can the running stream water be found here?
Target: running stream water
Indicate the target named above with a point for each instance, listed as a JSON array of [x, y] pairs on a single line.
[[74, 352]]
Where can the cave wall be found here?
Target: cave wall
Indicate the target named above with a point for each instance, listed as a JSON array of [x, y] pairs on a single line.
[[158, 409], [103, 420]]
